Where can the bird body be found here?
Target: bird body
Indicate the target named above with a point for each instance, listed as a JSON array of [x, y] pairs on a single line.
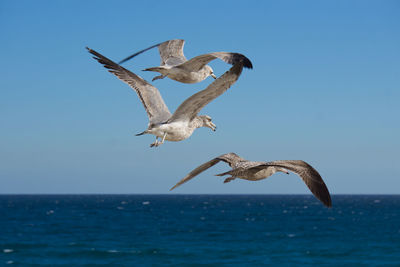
[[178, 130], [180, 75], [256, 175], [175, 66], [259, 170], [181, 124]]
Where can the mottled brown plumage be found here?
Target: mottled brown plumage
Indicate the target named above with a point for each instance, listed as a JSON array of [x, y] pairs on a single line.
[[258, 170]]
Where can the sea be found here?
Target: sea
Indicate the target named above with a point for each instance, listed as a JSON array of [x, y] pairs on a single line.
[[199, 230]]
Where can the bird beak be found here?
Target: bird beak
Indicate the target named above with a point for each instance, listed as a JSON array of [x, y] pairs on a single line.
[[213, 75]]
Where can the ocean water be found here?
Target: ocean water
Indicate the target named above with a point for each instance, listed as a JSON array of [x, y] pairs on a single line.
[[199, 230]]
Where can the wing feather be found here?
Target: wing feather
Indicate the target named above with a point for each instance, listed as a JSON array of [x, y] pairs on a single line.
[[196, 63], [196, 172], [192, 106], [229, 158], [171, 52], [137, 53], [309, 175], [150, 97]]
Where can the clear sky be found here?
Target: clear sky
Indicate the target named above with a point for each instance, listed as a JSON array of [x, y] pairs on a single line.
[[325, 88]]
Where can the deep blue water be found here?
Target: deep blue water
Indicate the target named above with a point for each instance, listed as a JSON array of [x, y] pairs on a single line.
[[198, 230]]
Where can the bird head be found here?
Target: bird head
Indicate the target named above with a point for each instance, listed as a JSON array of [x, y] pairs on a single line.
[[210, 71], [208, 123]]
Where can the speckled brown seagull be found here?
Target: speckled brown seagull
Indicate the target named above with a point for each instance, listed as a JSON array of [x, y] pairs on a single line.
[[258, 170], [174, 64], [181, 124]]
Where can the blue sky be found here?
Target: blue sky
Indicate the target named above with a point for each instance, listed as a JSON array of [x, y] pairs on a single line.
[[324, 89]]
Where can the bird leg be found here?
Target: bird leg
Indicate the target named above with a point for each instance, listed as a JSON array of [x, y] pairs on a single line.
[[158, 77], [227, 180], [163, 139], [155, 144]]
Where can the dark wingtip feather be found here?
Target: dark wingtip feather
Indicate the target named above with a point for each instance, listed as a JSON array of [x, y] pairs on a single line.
[[328, 202], [236, 57], [247, 63], [323, 195], [317, 185], [137, 53], [325, 199]]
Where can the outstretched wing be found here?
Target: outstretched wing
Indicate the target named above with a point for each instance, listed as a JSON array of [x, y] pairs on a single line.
[[308, 174], [196, 171], [225, 157], [171, 52], [137, 53], [196, 63], [192, 106], [151, 98]]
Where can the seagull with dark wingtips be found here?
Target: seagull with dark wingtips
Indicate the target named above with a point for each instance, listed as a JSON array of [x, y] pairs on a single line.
[[181, 124], [258, 170], [175, 66]]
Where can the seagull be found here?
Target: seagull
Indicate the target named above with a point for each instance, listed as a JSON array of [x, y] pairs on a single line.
[[258, 170], [181, 124], [175, 65]]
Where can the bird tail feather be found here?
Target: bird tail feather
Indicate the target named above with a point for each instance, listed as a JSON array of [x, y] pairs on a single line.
[[156, 69], [142, 133], [225, 173]]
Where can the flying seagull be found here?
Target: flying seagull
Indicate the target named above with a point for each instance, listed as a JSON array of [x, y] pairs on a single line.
[[258, 170], [181, 124], [175, 65]]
